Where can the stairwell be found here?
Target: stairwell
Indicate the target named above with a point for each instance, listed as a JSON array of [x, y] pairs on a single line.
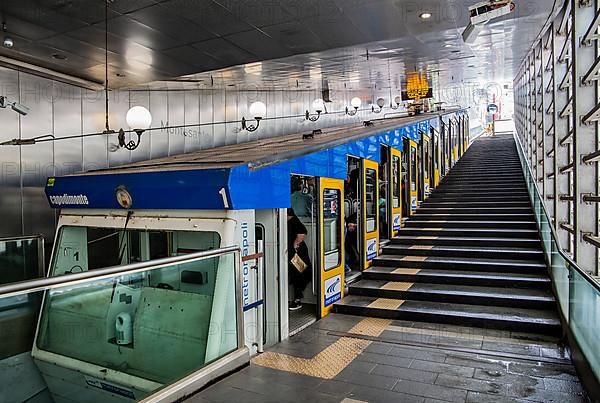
[[470, 255]]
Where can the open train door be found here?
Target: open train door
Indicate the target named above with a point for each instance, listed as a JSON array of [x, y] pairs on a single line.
[[369, 211], [395, 176], [437, 156], [413, 172], [331, 242]]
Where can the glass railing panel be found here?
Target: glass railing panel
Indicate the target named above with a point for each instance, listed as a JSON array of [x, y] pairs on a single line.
[[559, 272], [20, 380], [583, 318], [124, 335], [21, 259]]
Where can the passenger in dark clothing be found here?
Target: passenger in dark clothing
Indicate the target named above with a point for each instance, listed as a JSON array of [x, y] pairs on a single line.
[[351, 244], [299, 277]]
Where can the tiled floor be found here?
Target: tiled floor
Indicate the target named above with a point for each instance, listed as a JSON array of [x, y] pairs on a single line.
[[407, 362]]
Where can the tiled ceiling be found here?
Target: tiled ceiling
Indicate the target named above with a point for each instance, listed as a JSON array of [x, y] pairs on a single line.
[[282, 43]]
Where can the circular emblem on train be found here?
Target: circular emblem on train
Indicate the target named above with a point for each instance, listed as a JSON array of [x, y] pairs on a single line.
[[123, 197]]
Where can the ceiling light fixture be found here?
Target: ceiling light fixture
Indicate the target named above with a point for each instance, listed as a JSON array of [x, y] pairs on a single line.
[[380, 103], [319, 107], [397, 102], [8, 42], [355, 102], [425, 16], [257, 110], [138, 119]]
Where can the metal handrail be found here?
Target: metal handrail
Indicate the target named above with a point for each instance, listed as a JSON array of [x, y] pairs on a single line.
[[560, 250], [25, 287]]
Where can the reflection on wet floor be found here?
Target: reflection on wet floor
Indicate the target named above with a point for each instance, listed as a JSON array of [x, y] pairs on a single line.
[[405, 361]]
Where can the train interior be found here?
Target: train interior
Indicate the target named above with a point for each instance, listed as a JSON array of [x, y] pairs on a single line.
[[304, 204], [352, 244]]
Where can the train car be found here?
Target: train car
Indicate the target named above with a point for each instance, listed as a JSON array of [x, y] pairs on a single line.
[[345, 185]]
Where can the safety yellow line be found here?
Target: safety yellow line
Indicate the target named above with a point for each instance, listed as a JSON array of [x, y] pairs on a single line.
[[333, 359]]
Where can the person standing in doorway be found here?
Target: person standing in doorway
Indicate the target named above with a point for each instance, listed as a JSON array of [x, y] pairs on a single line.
[[299, 265], [302, 203]]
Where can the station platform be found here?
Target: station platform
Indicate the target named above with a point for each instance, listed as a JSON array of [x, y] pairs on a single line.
[[345, 358]]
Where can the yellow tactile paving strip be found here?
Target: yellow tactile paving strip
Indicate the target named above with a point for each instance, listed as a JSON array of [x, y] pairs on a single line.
[[396, 286], [427, 237], [333, 359], [426, 247], [414, 258], [386, 303], [401, 270]]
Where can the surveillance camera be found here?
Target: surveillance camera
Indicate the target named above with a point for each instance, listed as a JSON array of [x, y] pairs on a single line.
[[15, 106], [20, 108], [471, 31], [8, 42]]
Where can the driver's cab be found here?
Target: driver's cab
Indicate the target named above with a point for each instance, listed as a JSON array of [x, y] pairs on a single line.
[[138, 331]]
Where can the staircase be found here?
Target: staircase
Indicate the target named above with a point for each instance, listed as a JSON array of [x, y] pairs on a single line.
[[470, 255]]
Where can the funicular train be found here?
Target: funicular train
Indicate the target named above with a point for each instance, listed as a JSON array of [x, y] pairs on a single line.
[[372, 176]]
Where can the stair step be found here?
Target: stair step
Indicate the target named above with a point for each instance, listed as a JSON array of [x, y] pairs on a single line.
[[464, 251], [470, 224], [507, 318], [460, 294], [471, 241], [474, 197], [462, 277], [483, 192], [472, 216], [461, 263], [439, 203], [428, 209], [470, 232]]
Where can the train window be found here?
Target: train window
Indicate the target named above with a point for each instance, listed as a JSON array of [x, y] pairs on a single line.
[[332, 227], [396, 181], [88, 248], [413, 168], [371, 199]]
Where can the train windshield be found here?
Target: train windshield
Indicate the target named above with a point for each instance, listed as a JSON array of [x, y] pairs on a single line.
[[87, 248], [152, 324]]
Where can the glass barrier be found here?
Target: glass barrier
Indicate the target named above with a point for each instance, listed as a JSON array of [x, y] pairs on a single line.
[[577, 293], [122, 335], [21, 258]]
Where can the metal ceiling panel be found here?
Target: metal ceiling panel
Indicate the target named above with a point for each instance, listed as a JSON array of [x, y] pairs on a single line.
[[224, 51], [261, 46], [258, 13], [296, 37], [210, 15], [171, 24], [194, 57], [134, 31]]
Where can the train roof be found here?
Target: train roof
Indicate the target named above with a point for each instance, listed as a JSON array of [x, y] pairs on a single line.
[[236, 176], [261, 152]]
